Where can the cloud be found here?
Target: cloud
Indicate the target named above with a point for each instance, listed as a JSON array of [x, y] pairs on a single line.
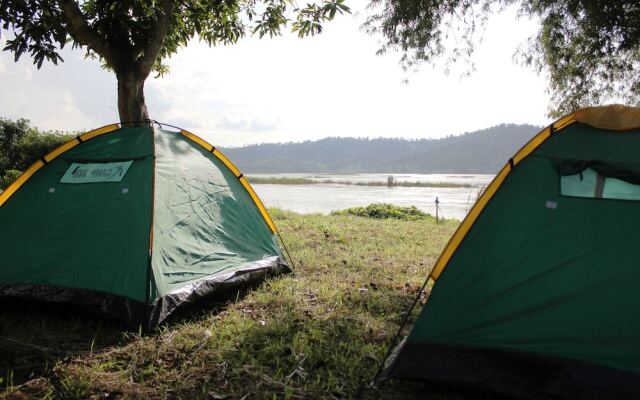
[[257, 125], [286, 89], [253, 125], [237, 125], [74, 95]]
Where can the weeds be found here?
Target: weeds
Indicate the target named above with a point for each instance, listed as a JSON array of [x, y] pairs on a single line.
[[386, 211]]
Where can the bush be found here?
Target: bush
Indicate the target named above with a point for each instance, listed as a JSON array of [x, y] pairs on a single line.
[[385, 211], [21, 145], [8, 178]]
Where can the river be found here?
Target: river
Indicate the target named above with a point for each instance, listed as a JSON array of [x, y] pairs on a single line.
[[454, 202]]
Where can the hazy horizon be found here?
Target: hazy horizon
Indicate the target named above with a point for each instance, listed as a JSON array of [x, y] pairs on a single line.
[[384, 137]]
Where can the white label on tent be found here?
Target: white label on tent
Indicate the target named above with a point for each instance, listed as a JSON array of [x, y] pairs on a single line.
[[96, 172], [551, 204]]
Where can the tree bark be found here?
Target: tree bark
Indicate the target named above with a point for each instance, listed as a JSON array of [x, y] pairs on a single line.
[[131, 105], [132, 65]]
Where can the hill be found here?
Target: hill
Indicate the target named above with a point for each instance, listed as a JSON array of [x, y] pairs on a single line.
[[483, 151]]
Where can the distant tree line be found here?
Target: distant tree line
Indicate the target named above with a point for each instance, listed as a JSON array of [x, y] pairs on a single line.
[[483, 151], [21, 145]]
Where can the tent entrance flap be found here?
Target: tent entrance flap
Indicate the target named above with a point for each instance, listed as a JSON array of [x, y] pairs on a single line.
[[207, 229]]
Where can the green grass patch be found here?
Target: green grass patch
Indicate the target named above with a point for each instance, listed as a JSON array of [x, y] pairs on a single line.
[[318, 333]]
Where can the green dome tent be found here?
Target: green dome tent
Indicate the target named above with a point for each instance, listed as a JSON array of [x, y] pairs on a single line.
[[134, 222], [537, 293]]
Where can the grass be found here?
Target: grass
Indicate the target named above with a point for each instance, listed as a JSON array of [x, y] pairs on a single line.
[[319, 333], [393, 183]]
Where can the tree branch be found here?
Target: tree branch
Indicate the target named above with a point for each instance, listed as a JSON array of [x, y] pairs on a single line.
[[82, 33], [145, 62]]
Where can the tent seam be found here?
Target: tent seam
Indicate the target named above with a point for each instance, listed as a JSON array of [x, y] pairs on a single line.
[[231, 167]]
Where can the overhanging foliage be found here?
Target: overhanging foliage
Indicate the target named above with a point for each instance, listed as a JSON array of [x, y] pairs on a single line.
[[589, 48]]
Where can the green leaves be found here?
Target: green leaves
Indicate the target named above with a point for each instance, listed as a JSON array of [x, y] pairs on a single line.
[[310, 18], [133, 37], [41, 28], [21, 145], [272, 19], [8, 178], [591, 51], [37, 27]]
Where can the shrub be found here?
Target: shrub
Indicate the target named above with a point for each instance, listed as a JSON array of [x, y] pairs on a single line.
[[8, 177], [21, 145], [384, 211]]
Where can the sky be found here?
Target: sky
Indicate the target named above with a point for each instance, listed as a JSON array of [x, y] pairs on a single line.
[[290, 89]]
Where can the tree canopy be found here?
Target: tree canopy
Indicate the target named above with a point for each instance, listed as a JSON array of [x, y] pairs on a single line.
[[590, 49], [21, 145], [134, 37]]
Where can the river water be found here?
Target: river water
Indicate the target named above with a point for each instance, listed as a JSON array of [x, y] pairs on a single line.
[[454, 202]]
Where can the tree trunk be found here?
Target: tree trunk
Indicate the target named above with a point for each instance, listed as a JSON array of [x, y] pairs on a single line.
[[131, 105]]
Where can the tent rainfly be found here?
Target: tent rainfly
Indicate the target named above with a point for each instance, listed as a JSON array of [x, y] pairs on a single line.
[[134, 222], [537, 293]]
